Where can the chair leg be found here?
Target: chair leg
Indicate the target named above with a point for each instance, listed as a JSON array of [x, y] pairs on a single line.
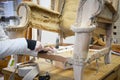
[[107, 57], [81, 47]]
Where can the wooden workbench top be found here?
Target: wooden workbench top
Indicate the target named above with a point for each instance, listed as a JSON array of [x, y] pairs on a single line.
[[91, 71]]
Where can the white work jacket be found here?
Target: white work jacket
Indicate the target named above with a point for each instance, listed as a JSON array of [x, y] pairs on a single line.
[[13, 46]]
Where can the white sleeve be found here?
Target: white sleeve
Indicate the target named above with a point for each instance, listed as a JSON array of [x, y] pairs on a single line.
[[3, 36], [15, 46]]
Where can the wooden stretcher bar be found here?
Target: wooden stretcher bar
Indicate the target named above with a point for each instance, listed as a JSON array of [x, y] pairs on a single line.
[[53, 57]]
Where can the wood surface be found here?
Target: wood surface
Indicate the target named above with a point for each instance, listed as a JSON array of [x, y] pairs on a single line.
[[4, 62], [105, 72]]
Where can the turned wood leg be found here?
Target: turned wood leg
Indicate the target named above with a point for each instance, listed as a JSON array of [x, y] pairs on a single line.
[[107, 57], [81, 47]]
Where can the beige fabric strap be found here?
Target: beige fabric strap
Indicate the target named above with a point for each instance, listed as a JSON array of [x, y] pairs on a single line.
[[28, 70], [12, 76], [31, 74]]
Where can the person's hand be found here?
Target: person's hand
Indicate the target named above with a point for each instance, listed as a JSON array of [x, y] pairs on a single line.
[[38, 46], [48, 49], [43, 49]]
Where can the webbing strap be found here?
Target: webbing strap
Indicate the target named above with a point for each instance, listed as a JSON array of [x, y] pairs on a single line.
[[31, 74]]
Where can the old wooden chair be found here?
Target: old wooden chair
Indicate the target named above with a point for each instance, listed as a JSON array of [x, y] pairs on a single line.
[[74, 16]]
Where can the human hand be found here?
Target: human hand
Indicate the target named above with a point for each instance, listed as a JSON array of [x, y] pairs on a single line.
[[48, 49], [38, 46]]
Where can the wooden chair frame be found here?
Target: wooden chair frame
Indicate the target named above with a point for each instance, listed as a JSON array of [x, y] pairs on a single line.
[[81, 46]]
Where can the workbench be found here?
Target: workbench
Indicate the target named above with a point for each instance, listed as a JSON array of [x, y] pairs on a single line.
[[91, 71]]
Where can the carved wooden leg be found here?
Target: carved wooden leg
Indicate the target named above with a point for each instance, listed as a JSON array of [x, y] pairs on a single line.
[[108, 43], [81, 46]]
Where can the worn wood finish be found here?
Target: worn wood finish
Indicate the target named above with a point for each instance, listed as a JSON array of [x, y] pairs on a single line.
[[105, 72], [53, 57], [83, 22], [81, 46], [4, 63], [108, 42]]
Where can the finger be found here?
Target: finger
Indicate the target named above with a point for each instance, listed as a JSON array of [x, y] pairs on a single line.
[[38, 46]]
